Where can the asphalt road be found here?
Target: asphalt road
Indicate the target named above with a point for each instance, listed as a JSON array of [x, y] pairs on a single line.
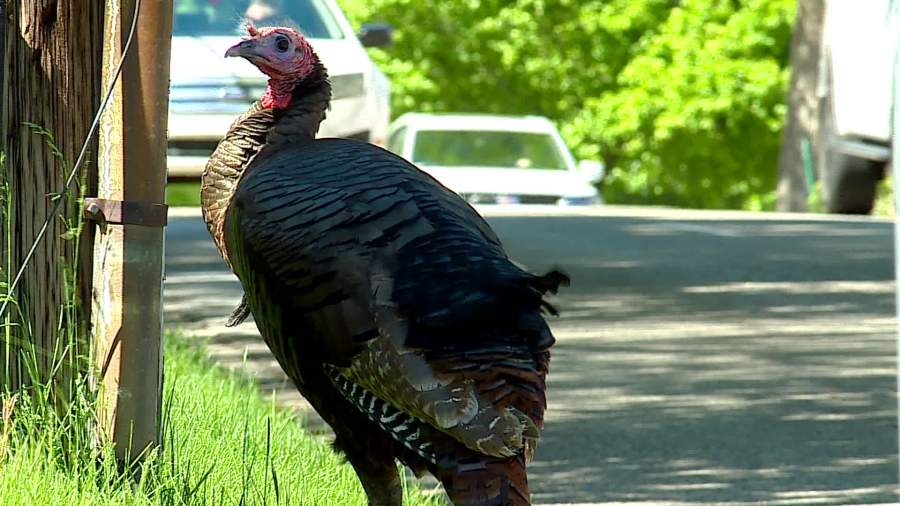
[[702, 358]]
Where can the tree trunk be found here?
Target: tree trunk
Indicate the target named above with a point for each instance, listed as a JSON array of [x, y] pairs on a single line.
[[52, 51], [801, 125]]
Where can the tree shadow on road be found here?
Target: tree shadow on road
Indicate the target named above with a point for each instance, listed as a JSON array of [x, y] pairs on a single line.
[[727, 362], [701, 420]]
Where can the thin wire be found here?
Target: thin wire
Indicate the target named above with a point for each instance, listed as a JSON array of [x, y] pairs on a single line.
[[84, 147]]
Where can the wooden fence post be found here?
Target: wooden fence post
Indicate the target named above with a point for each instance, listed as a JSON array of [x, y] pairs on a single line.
[[128, 258], [50, 78]]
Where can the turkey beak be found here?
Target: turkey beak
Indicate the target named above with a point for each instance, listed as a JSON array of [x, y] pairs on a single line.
[[244, 48]]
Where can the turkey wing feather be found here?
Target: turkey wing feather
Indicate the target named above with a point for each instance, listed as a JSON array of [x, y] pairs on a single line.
[[401, 286]]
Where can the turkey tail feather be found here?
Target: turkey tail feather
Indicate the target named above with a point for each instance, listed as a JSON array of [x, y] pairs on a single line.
[[489, 482]]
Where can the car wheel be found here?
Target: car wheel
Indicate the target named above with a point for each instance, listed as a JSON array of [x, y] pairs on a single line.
[[850, 185], [848, 182]]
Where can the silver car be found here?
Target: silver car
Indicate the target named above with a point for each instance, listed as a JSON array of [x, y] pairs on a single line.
[[491, 159]]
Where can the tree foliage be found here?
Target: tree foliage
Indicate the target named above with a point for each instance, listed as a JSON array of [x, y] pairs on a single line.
[[683, 100]]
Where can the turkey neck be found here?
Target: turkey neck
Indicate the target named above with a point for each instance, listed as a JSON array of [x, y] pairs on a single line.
[[260, 129]]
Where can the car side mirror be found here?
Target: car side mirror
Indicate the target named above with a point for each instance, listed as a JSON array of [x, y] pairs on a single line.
[[592, 169], [376, 35]]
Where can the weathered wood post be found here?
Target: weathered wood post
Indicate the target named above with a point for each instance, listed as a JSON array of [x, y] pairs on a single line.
[[51, 79], [128, 251]]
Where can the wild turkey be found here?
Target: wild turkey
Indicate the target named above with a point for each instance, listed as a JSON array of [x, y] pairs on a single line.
[[384, 296]]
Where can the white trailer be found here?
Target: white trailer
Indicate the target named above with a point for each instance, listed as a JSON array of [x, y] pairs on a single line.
[[855, 101]]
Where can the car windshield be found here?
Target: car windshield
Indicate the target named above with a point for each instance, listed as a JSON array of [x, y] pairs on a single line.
[[460, 148], [225, 17]]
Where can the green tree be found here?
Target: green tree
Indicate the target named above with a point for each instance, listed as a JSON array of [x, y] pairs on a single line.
[[683, 100]]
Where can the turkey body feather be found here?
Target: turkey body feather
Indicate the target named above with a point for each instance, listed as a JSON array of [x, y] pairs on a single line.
[[390, 278], [383, 295]]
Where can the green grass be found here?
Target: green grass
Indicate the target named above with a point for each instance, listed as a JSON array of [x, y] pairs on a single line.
[[223, 444], [183, 193], [884, 198]]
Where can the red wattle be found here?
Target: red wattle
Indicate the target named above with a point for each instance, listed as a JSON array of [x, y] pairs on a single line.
[[272, 99]]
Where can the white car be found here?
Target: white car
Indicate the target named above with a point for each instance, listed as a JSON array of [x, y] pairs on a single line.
[[209, 91], [492, 159]]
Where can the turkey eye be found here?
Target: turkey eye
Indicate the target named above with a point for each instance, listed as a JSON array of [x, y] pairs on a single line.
[[282, 44]]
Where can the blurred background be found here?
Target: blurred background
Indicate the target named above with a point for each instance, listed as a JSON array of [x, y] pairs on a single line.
[[685, 103], [667, 94]]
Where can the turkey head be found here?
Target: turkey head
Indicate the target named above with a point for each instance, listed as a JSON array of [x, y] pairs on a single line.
[[280, 53]]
